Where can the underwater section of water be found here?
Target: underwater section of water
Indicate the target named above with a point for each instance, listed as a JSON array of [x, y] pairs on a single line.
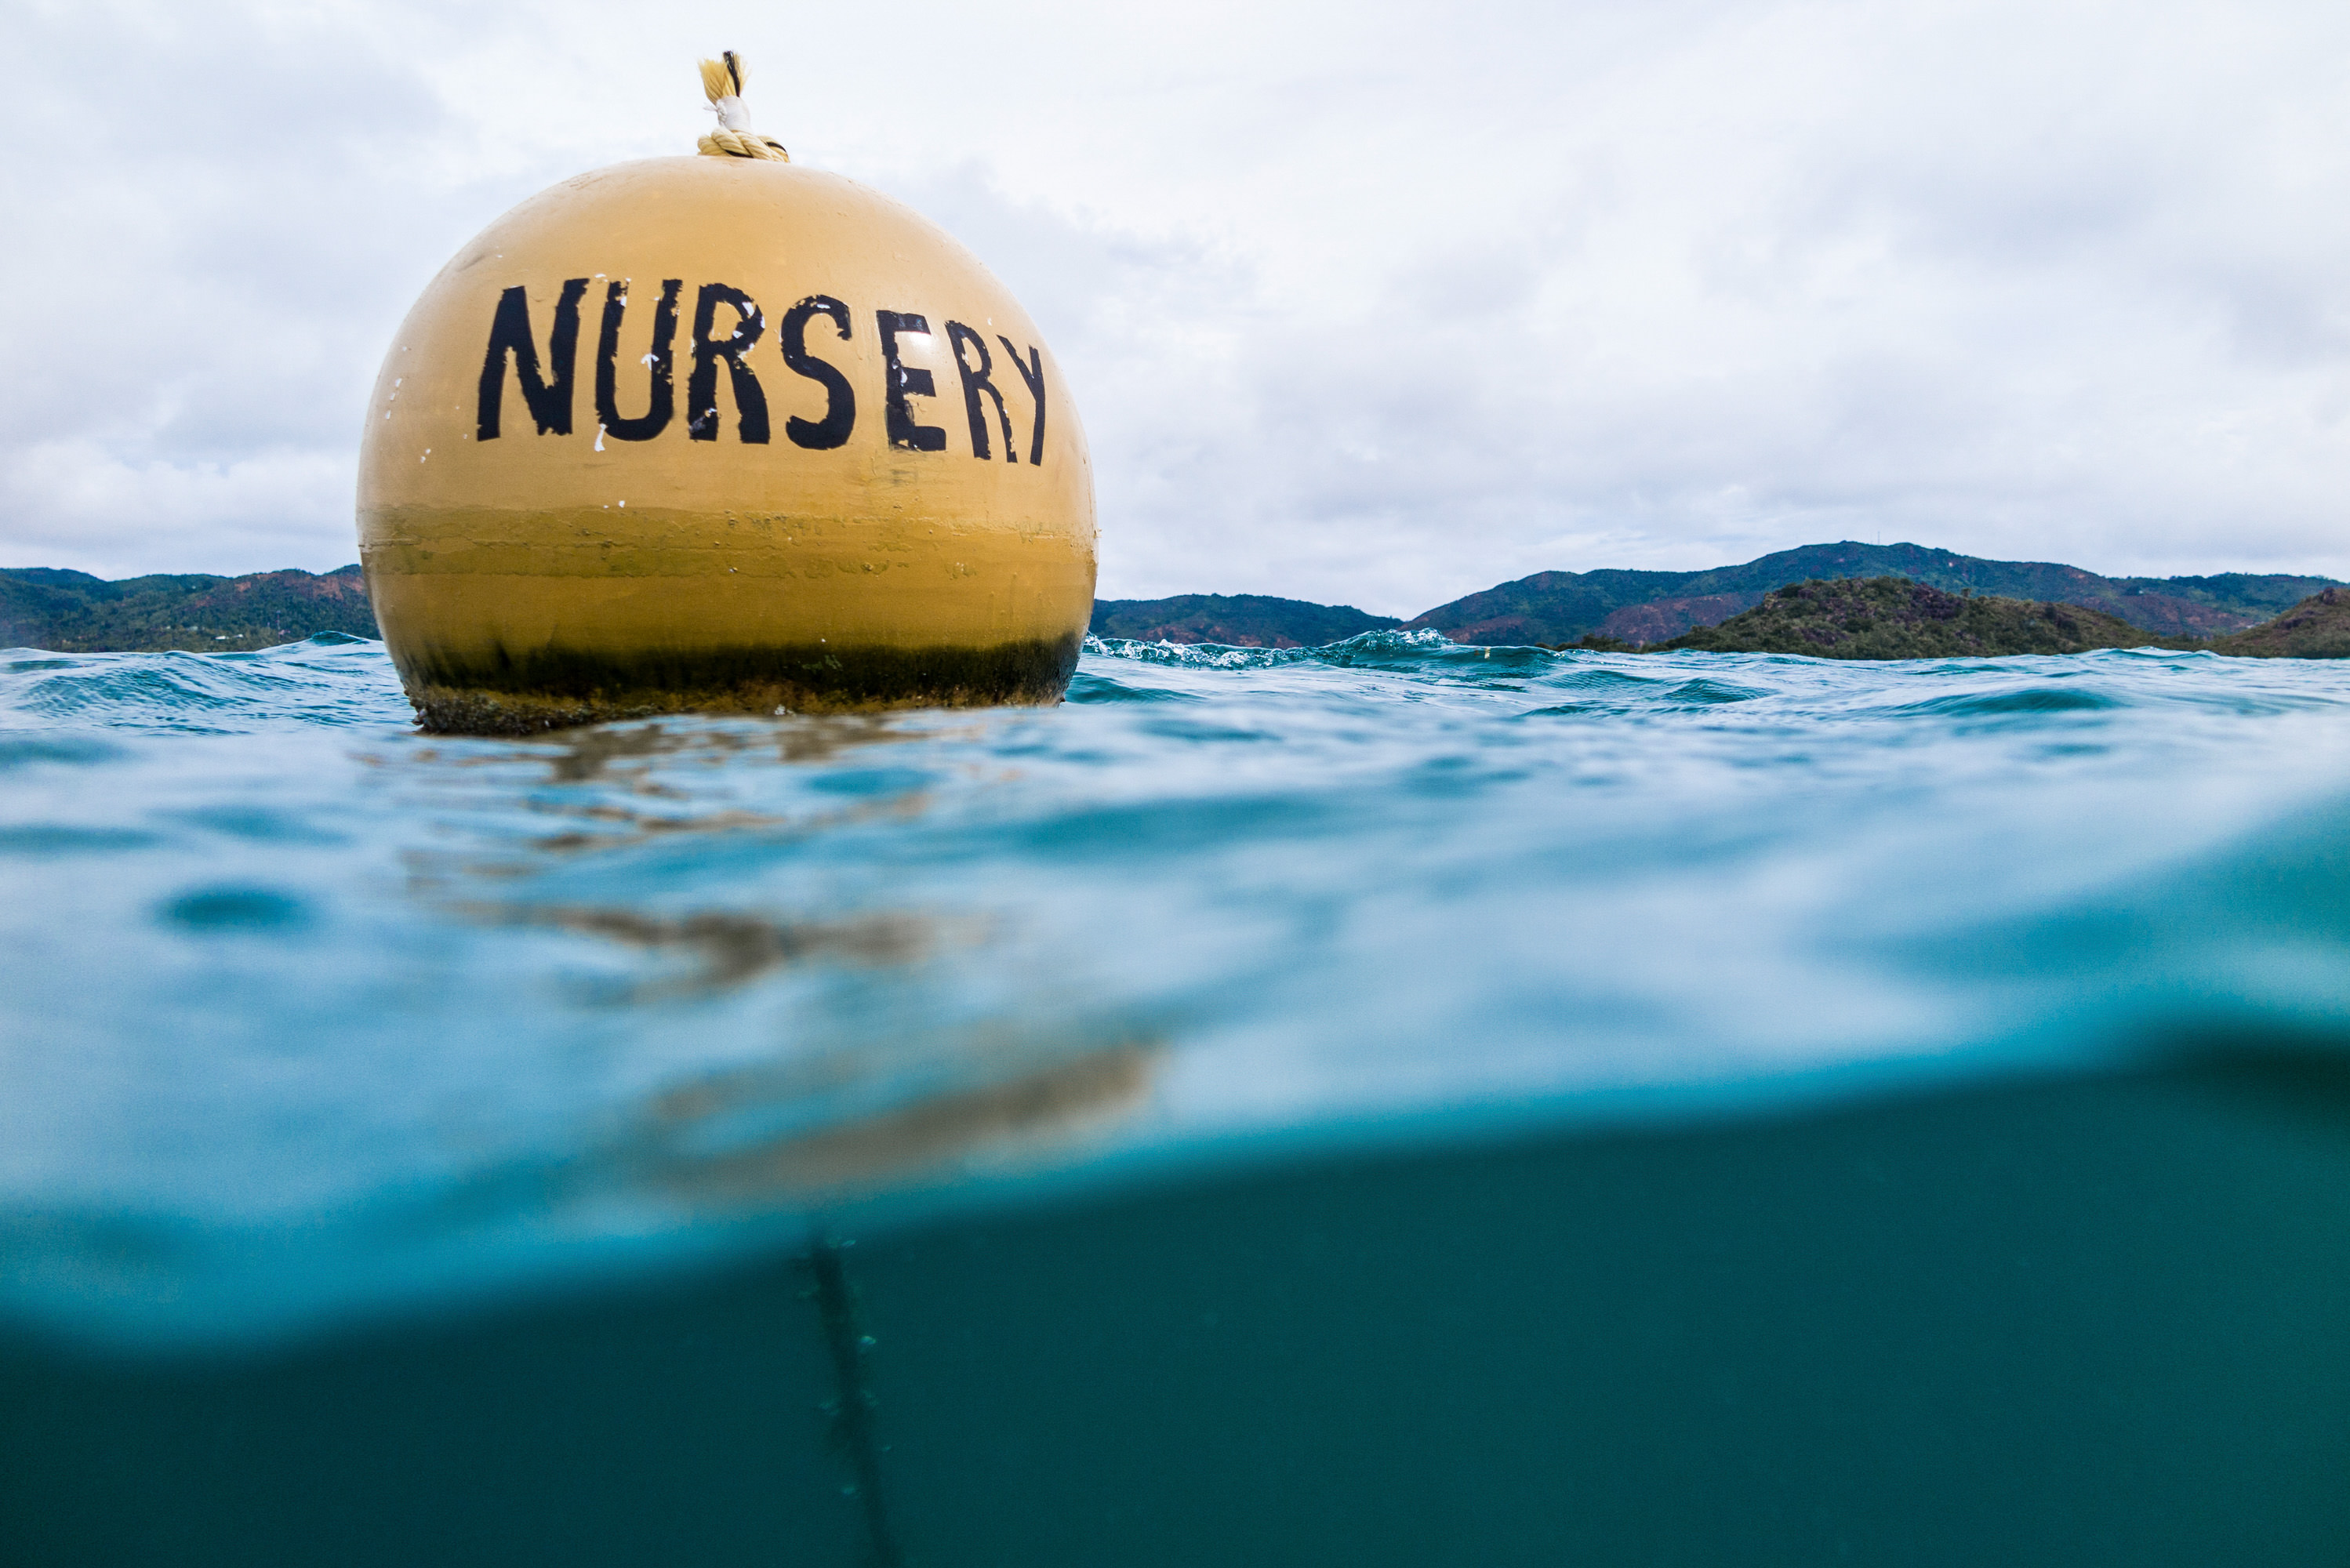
[[312, 1020]]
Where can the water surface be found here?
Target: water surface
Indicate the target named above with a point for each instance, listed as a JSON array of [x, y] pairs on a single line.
[[312, 1017]]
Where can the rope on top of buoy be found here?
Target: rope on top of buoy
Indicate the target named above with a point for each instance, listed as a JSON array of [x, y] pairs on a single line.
[[722, 80]]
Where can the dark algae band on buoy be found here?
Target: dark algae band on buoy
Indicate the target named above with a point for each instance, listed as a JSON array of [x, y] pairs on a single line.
[[719, 433]]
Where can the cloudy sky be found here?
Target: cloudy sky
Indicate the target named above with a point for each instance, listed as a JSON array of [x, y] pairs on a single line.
[[1368, 303]]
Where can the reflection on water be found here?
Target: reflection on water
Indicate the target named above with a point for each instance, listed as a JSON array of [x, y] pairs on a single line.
[[584, 755], [730, 950], [858, 1119], [999, 1125]]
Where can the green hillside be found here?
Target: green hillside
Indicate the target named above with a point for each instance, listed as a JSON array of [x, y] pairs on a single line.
[[1641, 607], [1237, 620], [73, 612], [1894, 618], [2316, 628]]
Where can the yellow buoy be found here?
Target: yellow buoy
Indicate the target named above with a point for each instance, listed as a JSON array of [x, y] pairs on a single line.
[[721, 433]]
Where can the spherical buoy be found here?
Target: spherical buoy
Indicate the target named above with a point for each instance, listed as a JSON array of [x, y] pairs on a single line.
[[721, 433]]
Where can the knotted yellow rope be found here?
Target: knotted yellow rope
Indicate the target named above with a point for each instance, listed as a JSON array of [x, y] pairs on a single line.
[[722, 81]]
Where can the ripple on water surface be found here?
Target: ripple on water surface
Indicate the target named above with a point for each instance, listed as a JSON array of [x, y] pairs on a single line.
[[310, 1012]]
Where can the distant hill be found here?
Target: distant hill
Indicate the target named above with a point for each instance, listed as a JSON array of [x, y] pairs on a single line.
[[2316, 628], [1640, 608], [1237, 620], [1895, 618], [73, 612]]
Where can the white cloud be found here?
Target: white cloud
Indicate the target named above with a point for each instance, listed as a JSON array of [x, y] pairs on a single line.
[[1379, 303], [74, 502]]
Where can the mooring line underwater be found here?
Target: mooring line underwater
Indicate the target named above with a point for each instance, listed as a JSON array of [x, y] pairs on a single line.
[[854, 1407]]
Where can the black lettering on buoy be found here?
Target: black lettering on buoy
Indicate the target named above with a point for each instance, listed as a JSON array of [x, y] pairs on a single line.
[[664, 395], [840, 404], [1032, 370], [702, 387], [899, 380], [974, 382], [549, 400]]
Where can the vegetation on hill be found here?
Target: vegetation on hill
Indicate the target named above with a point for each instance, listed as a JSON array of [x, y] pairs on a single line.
[[1237, 620], [73, 612], [1639, 608], [1894, 618], [2316, 628]]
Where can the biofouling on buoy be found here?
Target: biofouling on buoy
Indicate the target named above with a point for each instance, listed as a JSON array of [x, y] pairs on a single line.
[[721, 433]]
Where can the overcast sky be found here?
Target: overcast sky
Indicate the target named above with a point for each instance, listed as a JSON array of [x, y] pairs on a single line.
[[1364, 303]]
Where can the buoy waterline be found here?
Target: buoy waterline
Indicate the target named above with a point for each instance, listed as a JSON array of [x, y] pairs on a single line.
[[721, 433]]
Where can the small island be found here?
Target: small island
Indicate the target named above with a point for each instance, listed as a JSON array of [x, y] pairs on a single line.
[[1899, 617], [2316, 628]]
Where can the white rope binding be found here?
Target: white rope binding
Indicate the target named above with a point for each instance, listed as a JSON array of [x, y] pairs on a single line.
[[722, 83]]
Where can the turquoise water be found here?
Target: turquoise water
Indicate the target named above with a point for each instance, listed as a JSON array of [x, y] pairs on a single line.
[[313, 1019]]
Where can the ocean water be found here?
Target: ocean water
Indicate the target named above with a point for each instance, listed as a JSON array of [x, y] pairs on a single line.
[[312, 1020]]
